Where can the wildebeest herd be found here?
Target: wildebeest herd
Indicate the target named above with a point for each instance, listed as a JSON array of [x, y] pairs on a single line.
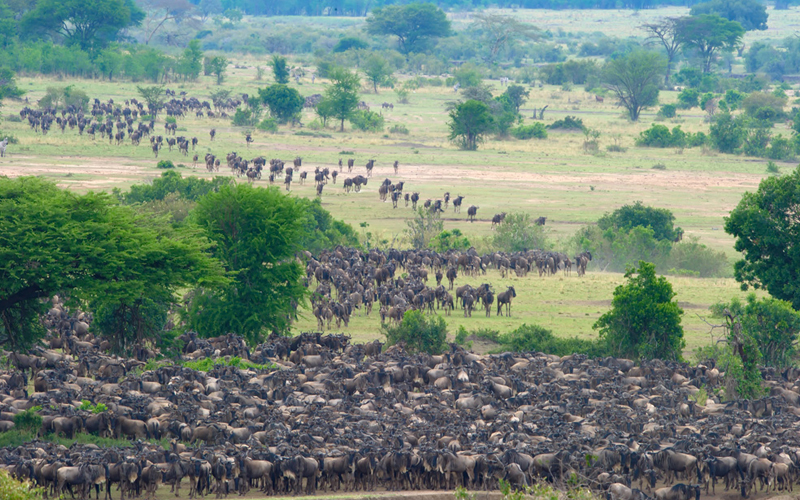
[[319, 413], [348, 280]]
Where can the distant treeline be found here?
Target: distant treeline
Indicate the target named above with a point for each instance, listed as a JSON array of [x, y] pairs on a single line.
[[362, 7]]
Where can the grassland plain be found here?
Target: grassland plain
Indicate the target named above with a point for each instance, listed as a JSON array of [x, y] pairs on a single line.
[[553, 177]]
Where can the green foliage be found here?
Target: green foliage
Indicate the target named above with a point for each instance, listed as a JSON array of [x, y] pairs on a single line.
[[63, 98], [688, 98], [425, 225], [644, 322], [87, 405], [377, 71], [28, 420], [708, 34], [280, 69], [449, 240], [321, 231], [567, 123], [349, 42], [415, 24], [517, 95], [163, 164], [577, 72], [154, 97], [469, 122], [13, 489], [341, 97], [764, 106], [660, 220], [468, 75], [667, 111], [727, 133], [772, 168], [535, 130], [766, 230], [190, 188], [418, 333], [772, 324], [634, 79], [751, 14], [249, 116], [399, 128], [216, 66], [256, 232], [659, 136], [534, 338], [268, 125], [190, 64], [89, 249], [518, 233], [207, 364], [367, 121], [133, 321], [700, 397], [88, 27]]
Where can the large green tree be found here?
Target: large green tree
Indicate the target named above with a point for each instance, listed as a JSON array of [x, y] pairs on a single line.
[[85, 247], [644, 322], [709, 34], [633, 79], [89, 24], [469, 122], [414, 24], [751, 14], [257, 233], [283, 101], [377, 71], [190, 63], [766, 225], [625, 218], [341, 97]]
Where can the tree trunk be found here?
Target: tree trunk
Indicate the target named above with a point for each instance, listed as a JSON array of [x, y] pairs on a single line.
[[342, 127]]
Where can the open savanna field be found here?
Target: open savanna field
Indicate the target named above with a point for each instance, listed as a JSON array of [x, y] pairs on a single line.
[[554, 177]]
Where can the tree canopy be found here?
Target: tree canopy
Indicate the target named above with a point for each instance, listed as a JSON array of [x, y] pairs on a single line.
[[666, 32], [644, 322], [414, 24], [660, 220], [751, 14], [341, 96], [257, 232], [89, 24], [377, 71], [280, 69], [469, 122], [498, 31], [709, 34], [634, 80], [85, 247], [283, 101], [767, 229]]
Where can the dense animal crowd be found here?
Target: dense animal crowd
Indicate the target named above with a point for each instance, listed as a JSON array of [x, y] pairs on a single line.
[[348, 280], [320, 413]]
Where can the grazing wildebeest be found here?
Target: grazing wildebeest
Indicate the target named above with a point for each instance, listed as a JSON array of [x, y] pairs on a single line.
[[472, 211], [457, 203], [505, 298]]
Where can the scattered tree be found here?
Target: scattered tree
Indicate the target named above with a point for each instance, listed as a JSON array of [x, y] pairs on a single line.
[[517, 95], [377, 70], [709, 34], [217, 67], [625, 218], [284, 102], [519, 233], [190, 63], [666, 32], [280, 69], [154, 96], [634, 80], [8, 85], [425, 225], [90, 27], [257, 233], [644, 322], [751, 14], [414, 24], [765, 225], [469, 122], [499, 30], [341, 96]]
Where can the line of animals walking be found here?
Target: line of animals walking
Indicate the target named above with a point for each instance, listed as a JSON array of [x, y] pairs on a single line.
[[317, 413], [362, 280]]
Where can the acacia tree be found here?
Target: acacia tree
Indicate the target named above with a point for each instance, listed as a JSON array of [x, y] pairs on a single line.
[[644, 322], [89, 24], [709, 34], [634, 80], [257, 233], [414, 24], [665, 31], [765, 225], [499, 30], [341, 97], [469, 122], [87, 248], [154, 96]]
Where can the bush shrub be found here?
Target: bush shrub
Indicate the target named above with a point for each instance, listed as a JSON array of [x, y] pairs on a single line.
[[268, 125], [567, 123], [367, 121], [165, 164], [688, 98], [667, 111], [28, 420], [418, 333], [533, 131], [538, 339], [659, 136], [399, 129], [449, 240], [11, 489], [518, 233]]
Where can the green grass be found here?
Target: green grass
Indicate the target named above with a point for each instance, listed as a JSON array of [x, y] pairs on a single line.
[[207, 364]]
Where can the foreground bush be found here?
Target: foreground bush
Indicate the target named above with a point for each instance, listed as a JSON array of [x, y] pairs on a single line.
[[533, 131], [11, 489], [367, 121], [418, 333]]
